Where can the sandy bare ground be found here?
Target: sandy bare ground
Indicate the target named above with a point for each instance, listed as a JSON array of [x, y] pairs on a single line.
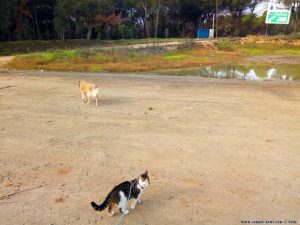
[[218, 151]]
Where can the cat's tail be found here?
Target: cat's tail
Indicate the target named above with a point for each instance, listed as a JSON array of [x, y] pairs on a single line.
[[103, 205]]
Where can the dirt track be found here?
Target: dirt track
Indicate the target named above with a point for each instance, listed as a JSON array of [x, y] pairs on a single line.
[[218, 151]]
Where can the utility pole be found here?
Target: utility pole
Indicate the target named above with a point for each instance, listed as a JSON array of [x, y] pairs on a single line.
[[217, 11]]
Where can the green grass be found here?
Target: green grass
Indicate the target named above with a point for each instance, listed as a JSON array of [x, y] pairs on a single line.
[[95, 68], [121, 53], [60, 55], [268, 48], [176, 57]]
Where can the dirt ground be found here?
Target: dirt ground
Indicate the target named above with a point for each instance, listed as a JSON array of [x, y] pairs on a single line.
[[218, 151]]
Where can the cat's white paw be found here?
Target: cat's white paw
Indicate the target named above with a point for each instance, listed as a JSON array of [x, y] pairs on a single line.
[[139, 201], [111, 213], [126, 212], [132, 206]]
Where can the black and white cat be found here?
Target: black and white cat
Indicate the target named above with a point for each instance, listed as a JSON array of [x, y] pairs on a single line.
[[120, 193]]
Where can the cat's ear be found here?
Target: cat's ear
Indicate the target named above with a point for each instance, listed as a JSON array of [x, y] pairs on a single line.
[[146, 172]]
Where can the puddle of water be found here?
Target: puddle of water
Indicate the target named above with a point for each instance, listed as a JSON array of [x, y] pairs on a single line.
[[228, 71]]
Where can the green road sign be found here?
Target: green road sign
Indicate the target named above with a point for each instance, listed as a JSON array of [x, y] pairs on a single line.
[[278, 14], [278, 17]]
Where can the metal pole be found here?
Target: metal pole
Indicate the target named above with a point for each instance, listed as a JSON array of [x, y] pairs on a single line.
[[266, 30]]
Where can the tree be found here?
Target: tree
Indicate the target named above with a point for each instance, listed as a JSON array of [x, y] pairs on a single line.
[[48, 19], [41, 15], [64, 17], [295, 4], [71, 13], [107, 21], [146, 5], [89, 10], [237, 8], [158, 5], [7, 20]]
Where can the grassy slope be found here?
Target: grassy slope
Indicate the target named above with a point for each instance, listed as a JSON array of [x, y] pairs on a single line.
[[119, 60], [24, 47], [188, 55]]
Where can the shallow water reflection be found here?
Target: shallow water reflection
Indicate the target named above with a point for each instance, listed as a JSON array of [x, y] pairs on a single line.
[[234, 72]]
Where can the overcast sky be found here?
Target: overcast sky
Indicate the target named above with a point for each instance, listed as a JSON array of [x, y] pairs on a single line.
[[261, 8]]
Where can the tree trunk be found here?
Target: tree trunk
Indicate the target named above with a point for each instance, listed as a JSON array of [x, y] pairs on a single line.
[[166, 33], [295, 27], [36, 24], [107, 32], [146, 16], [88, 36], [199, 23], [157, 21]]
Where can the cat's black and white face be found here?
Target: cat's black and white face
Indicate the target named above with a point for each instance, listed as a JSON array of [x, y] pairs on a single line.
[[144, 180]]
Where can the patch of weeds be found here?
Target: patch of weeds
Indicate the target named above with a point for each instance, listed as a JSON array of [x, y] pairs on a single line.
[[176, 57], [189, 45], [157, 50], [253, 51], [225, 45], [86, 53], [259, 49], [59, 55], [100, 58], [48, 56], [289, 51], [293, 36], [116, 55], [95, 68]]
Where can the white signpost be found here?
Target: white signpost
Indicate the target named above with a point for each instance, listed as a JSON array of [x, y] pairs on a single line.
[[278, 13]]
